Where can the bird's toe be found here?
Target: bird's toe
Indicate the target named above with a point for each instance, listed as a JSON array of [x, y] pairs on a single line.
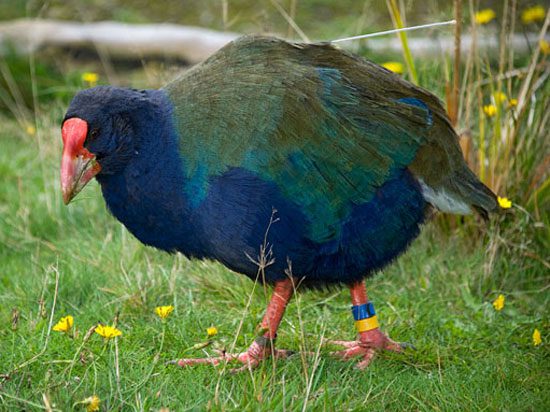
[[366, 347], [250, 359]]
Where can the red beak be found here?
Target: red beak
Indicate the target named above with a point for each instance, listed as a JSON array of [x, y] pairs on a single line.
[[78, 165]]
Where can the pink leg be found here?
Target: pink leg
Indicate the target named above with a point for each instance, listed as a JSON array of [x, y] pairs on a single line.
[[262, 347], [369, 341]]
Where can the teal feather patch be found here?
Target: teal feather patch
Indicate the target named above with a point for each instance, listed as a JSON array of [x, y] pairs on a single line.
[[197, 185]]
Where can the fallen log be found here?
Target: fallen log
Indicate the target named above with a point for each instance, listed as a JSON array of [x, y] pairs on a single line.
[[190, 44], [194, 44]]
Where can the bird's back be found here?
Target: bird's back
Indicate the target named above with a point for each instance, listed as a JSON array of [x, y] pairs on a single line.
[[348, 153], [264, 93]]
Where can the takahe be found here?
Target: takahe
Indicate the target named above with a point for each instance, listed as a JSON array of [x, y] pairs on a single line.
[[294, 164]]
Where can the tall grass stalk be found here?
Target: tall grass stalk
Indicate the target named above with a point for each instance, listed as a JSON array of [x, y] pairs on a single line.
[[500, 139], [398, 24], [453, 108]]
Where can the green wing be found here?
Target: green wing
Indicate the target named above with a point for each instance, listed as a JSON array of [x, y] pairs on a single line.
[[325, 126]]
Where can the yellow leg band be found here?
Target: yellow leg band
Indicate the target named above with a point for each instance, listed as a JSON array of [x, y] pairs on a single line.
[[365, 325]]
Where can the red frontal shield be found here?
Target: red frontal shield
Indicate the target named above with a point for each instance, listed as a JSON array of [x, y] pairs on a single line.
[[78, 165]]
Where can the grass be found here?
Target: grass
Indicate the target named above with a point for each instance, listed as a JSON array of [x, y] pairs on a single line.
[[79, 261], [437, 296]]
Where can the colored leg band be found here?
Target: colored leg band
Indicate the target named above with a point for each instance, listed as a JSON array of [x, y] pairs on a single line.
[[367, 324], [364, 311]]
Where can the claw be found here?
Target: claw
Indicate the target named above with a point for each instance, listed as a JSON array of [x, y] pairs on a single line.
[[172, 362], [407, 345]]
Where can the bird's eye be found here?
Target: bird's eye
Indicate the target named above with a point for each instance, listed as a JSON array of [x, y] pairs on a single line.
[[94, 133]]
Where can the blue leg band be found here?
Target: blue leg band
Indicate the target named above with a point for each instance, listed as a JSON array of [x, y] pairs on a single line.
[[364, 311]]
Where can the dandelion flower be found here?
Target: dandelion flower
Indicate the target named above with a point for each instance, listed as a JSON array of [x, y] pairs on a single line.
[[504, 202], [395, 67], [500, 97], [490, 110], [544, 47], [163, 311], [30, 129], [92, 403], [484, 16], [212, 331], [107, 332], [90, 78], [512, 102], [64, 324], [533, 14], [498, 303], [537, 340]]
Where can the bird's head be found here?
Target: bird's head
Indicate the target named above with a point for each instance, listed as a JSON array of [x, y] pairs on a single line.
[[98, 135]]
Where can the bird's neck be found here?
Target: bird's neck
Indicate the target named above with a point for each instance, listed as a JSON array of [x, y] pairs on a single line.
[[147, 196]]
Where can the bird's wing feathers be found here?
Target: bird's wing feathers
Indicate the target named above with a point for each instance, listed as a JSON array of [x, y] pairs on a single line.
[[312, 121]]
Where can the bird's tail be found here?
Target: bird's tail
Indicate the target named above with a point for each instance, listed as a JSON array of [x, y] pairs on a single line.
[[462, 193], [480, 197]]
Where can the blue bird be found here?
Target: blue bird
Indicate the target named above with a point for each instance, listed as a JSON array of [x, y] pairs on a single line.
[[294, 164]]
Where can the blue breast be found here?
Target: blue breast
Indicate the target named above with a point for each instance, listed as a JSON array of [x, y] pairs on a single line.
[[242, 214]]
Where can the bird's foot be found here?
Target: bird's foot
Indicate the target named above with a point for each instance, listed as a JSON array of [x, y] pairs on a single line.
[[366, 347], [261, 349]]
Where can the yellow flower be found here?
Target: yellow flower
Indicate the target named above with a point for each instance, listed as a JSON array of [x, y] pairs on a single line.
[[533, 14], [30, 129], [498, 303], [484, 16], [500, 97], [64, 324], [395, 67], [163, 311], [107, 332], [504, 203], [537, 340], [92, 403], [90, 78], [212, 331], [490, 110], [544, 47], [512, 102]]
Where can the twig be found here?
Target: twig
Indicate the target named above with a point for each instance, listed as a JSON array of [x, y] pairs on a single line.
[[292, 16], [314, 367], [47, 403], [509, 75], [385, 32], [264, 260], [290, 21], [87, 336], [15, 398], [117, 373]]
